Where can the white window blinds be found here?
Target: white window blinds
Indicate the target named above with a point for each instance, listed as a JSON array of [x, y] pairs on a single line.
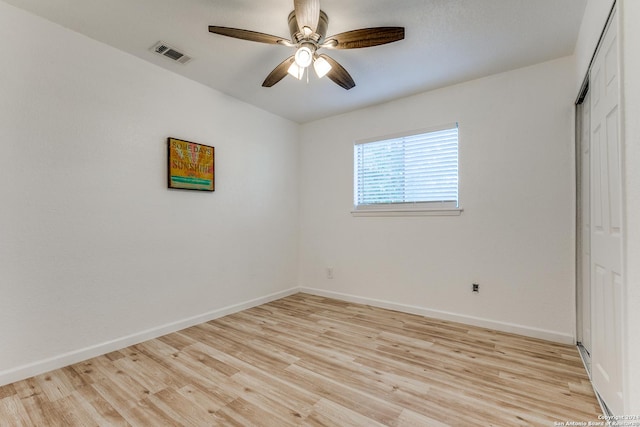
[[417, 168]]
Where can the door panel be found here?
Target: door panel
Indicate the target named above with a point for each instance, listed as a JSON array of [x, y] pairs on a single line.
[[606, 243], [613, 147]]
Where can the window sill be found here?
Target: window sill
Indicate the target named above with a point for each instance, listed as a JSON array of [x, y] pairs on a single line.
[[408, 212]]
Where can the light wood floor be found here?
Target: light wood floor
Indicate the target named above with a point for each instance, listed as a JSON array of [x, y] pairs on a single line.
[[308, 360]]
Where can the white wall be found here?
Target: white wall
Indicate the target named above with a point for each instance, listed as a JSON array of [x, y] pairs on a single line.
[[630, 34], [595, 17], [515, 236], [93, 246]]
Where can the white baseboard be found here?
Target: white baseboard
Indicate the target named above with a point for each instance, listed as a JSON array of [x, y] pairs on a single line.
[[513, 328], [76, 356]]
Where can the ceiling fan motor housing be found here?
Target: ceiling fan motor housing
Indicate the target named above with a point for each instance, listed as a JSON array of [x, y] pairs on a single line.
[[317, 37]]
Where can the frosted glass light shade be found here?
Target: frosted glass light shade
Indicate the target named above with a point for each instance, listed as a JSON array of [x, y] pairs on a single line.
[[296, 71], [304, 56], [321, 66]]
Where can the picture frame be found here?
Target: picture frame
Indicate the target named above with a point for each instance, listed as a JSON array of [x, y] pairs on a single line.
[[191, 166]]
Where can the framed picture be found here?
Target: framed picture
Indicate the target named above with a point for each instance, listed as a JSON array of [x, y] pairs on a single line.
[[191, 165]]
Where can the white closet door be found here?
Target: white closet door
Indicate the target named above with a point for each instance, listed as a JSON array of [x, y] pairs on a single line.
[[606, 222], [585, 225]]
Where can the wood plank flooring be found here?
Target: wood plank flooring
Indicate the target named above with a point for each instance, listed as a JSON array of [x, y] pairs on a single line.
[[313, 361]]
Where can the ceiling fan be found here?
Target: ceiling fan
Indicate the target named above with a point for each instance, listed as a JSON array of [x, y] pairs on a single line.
[[308, 27]]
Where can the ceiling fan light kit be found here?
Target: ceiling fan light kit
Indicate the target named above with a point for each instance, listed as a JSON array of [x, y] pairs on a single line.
[[308, 28], [320, 65]]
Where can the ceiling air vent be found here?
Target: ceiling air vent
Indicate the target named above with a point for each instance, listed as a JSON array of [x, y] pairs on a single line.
[[161, 48]]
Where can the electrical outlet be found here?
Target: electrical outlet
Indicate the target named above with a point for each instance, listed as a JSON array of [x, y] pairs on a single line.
[[329, 272], [475, 287]]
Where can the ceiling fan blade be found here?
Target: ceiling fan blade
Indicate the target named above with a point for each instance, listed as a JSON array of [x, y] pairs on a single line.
[[365, 37], [253, 36], [338, 74], [278, 73], [307, 14]]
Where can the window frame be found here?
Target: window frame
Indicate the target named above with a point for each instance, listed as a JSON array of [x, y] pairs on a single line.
[[427, 208]]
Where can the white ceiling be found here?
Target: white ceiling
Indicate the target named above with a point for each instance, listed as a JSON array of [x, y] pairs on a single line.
[[447, 42]]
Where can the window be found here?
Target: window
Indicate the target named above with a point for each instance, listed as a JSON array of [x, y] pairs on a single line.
[[408, 173]]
